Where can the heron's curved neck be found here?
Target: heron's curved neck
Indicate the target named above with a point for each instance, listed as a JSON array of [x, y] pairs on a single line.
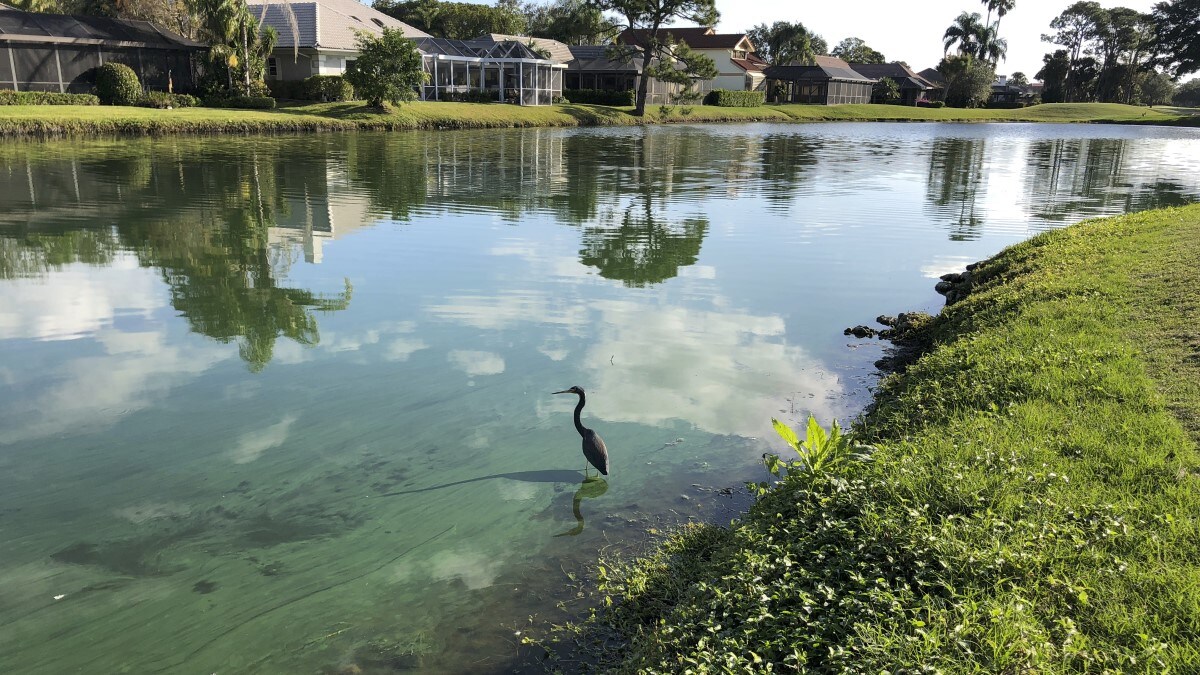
[[579, 425]]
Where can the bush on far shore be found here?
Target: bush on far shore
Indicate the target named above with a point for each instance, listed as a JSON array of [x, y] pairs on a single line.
[[327, 88], [243, 102], [726, 98], [163, 100], [117, 84], [10, 97], [600, 97]]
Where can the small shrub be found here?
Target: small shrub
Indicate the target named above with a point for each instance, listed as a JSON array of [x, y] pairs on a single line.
[[937, 104], [471, 96], [735, 99], [328, 88], [1005, 105], [599, 97], [9, 97], [117, 84], [163, 100], [243, 102]]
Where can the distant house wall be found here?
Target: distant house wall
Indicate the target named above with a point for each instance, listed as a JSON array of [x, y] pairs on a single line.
[[290, 66]]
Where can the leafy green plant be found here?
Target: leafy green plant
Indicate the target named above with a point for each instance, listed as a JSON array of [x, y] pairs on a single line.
[[819, 453], [388, 68], [117, 84]]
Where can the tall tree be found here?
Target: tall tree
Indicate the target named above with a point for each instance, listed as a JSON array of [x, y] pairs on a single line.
[[783, 42], [1177, 26], [966, 32], [1075, 27], [968, 80], [854, 50], [575, 22], [1055, 68], [456, 20], [651, 18]]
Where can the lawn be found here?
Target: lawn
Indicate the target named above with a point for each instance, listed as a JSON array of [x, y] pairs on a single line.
[[74, 120], [1032, 503]]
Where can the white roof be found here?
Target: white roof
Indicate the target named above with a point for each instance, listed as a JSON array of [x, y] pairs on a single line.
[[330, 24]]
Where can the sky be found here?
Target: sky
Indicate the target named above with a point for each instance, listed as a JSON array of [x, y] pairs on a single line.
[[910, 32]]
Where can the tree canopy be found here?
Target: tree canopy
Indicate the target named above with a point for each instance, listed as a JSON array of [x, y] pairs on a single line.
[[456, 20], [388, 68], [1177, 27], [652, 17], [854, 50], [784, 42], [575, 22]]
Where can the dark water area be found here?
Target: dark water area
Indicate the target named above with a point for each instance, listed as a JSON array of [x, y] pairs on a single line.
[[277, 405]]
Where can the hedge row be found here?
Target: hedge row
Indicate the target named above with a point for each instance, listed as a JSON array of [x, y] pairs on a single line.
[[329, 88], [243, 102], [735, 99], [163, 100], [599, 97], [9, 97]]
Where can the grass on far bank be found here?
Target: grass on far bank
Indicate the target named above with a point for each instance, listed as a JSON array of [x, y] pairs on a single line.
[[85, 120], [1033, 505]]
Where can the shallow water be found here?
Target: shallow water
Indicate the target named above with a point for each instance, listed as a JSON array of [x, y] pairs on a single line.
[[282, 405]]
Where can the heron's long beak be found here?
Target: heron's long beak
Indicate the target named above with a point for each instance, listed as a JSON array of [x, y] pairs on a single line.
[[564, 391]]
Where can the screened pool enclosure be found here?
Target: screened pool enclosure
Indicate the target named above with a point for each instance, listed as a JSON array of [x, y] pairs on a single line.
[[56, 52], [507, 71]]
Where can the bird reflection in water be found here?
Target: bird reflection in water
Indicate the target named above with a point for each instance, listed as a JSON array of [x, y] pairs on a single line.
[[590, 488]]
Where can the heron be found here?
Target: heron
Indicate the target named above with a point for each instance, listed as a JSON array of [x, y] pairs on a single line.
[[593, 445]]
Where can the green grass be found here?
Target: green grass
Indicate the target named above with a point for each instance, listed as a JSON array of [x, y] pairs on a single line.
[[1033, 505], [75, 120]]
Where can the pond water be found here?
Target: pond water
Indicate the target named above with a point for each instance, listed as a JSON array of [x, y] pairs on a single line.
[[273, 405]]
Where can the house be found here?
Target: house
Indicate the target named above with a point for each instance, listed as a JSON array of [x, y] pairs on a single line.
[[830, 82], [596, 67], [739, 68], [1004, 93], [912, 86], [55, 52], [324, 39], [932, 76], [505, 68]]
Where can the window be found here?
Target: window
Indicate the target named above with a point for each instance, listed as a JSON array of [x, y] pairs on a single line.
[[273, 68], [349, 64]]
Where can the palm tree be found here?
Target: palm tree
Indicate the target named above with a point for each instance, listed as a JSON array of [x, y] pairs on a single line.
[[1002, 8], [966, 31], [992, 47]]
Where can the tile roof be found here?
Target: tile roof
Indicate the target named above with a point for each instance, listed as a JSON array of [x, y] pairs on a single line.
[[752, 64], [696, 38], [827, 68], [597, 58], [18, 26], [327, 23], [932, 76], [900, 73]]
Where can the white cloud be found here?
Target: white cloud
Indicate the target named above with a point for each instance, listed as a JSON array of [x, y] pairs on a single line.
[[476, 363], [94, 392], [252, 445], [78, 300], [402, 348]]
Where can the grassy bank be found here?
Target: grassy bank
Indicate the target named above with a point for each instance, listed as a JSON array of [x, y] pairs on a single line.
[[93, 120], [1033, 504]]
